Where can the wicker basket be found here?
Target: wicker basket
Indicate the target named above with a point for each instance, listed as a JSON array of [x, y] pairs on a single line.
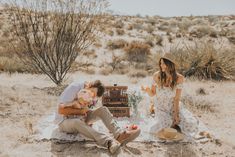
[[116, 99]]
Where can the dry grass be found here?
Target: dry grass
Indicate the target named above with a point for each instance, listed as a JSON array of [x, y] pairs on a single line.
[[203, 30], [137, 51], [90, 54], [158, 39], [119, 24], [149, 28], [184, 24], [122, 71], [1, 24], [97, 45], [150, 40], [198, 105], [231, 35], [138, 25], [151, 20], [84, 66], [130, 27], [204, 61], [116, 44], [88, 70], [106, 70], [138, 73], [120, 31], [109, 32], [13, 64]]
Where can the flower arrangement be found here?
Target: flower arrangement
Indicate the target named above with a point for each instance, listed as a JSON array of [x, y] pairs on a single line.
[[134, 99]]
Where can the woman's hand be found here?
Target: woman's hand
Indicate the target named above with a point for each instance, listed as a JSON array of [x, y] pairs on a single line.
[[145, 89]]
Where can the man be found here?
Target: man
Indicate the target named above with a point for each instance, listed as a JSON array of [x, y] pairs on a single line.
[[72, 120]]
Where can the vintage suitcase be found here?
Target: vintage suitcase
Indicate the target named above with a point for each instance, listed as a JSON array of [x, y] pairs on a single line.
[[116, 99]]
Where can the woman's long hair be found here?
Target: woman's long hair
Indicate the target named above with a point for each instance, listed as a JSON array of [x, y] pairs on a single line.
[[171, 70]]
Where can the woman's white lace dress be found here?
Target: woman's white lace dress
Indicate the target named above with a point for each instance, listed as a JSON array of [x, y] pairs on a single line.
[[163, 102]]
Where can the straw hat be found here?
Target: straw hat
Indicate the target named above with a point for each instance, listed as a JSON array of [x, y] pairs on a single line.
[[169, 57], [170, 134]]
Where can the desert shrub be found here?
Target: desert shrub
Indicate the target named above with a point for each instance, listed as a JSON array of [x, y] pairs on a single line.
[[89, 70], [178, 35], [231, 35], [120, 31], [52, 40], [152, 64], [198, 105], [173, 23], [106, 70], [158, 39], [231, 39], [1, 24], [82, 65], [116, 44], [149, 29], [90, 53], [199, 21], [138, 26], [163, 28], [13, 64], [137, 51], [170, 38], [97, 44], [184, 24], [150, 40], [138, 73], [6, 33], [123, 71], [213, 19], [204, 61], [116, 62], [129, 27], [119, 24], [203, 30], [151, 21], [110, 32]]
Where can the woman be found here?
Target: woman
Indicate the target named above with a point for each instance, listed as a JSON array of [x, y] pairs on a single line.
[[167, 87]]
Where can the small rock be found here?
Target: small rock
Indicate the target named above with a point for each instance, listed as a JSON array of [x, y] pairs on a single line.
[[213, 153], [218, 142], [201, 91]]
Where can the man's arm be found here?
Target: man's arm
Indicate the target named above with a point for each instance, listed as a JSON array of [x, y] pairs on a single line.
[[70, 109]]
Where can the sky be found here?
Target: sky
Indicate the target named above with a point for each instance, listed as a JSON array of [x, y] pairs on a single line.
[[168, 8]]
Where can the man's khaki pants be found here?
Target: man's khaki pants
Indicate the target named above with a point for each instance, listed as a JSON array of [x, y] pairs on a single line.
[[76, 125]]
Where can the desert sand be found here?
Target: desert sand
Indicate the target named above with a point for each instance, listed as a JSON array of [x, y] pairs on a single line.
[[25, 100]]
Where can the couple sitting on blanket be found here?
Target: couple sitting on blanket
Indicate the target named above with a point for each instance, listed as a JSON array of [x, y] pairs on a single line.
[[74, 115]]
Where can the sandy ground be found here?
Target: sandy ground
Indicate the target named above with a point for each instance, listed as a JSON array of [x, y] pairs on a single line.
[[23, 103]]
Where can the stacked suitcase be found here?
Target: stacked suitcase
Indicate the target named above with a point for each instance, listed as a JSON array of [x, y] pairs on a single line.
[[115, 99]]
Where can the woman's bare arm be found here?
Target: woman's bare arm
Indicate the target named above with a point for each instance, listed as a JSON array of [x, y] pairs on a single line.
[[177, 100], [152, 91]]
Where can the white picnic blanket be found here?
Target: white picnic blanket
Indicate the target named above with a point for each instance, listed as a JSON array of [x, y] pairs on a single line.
[[46, 129]]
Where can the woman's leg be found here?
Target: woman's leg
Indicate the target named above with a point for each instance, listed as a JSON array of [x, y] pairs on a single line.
[[188, 123]]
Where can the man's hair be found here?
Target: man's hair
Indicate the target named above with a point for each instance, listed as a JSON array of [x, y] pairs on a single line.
[[100, 87]]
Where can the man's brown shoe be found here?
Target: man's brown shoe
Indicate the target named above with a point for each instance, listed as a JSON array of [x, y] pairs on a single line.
[[128, 136]]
